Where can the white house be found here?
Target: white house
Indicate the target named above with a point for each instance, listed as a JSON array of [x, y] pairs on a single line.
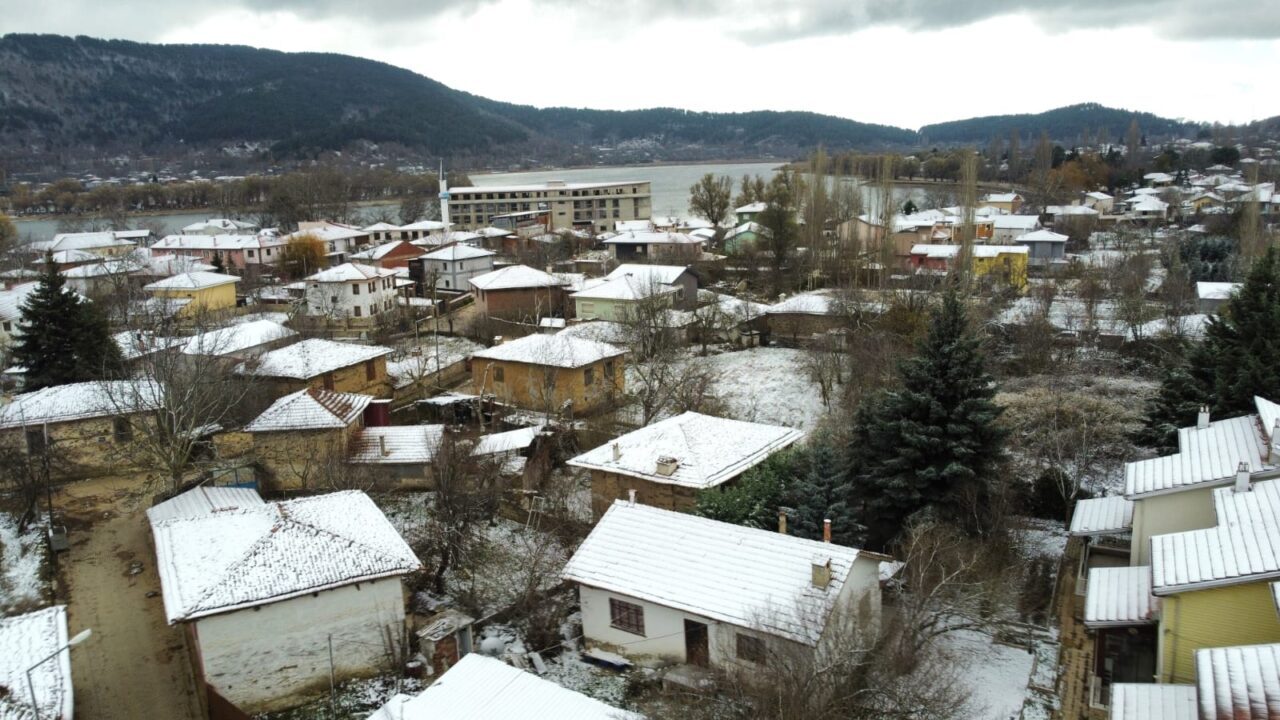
[[455, 265], [662, 586], [264, 590], [26, 640], [219, 226], [1007, 228], [484, 688], [339, 240], [351, 290]]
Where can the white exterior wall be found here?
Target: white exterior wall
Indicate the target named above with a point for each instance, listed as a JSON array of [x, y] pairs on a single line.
[[338, 299], [455, 274], [1163, 514], [259, 658]]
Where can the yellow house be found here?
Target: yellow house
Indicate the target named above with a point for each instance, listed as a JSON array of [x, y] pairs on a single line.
[[1010, 202], [1003, 264], [195, 292], [548, 373]]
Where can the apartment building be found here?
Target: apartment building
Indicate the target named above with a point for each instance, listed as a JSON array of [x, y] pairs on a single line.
[[595, 207]]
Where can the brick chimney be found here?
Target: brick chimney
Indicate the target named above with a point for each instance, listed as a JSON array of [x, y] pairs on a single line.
[[826, 530]]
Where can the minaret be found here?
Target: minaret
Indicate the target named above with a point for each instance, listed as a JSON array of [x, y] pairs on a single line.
[[444, 199]]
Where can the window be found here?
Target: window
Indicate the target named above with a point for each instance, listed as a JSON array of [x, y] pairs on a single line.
[[122, 430], [35, 440], [373, 309], [355, 289], [608, 370], [588, 376], [8, 326], [446, 283], [750, 649], [250, 253], [370, 370], [626, 616], [356, 311], [373, 287], [498, 374]]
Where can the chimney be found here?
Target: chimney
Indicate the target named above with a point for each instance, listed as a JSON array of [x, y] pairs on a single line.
[[782, 522], [826, 530], [382, 445], [1202, 420], [497, 340], [1273, 451], [617, 452], [667, 465], [820, 567], [631, 496], [1242, 477]]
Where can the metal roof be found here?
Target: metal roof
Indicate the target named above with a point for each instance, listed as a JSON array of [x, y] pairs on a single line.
[[1243, 547], [1102, 516], [1206, 455], [1239, 683], [1152, 701], [1120, 597]]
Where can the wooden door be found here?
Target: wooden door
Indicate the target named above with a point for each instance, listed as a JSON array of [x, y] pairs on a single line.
[[695, 643]]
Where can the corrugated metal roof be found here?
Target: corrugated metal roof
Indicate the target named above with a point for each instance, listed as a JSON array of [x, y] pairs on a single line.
[[396, 444], [1152, 701], [1206, 455], [484, 688], [1120, 597], [311, 409], [1104, 515], [1239, 683], [204, 500], [1244, 547], [743, 576]]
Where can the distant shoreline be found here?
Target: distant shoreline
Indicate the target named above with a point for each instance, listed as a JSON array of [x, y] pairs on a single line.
[[662, 163]]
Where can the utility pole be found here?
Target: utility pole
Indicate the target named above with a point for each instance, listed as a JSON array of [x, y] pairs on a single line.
[[333, 712]]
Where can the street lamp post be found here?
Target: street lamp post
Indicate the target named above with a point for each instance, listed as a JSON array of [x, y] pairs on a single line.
[[31, 686]]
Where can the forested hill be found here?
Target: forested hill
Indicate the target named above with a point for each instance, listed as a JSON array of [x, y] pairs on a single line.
[[1064, 124], [83, 97]]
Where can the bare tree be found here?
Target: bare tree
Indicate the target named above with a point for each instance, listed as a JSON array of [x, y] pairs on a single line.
[[463, 501]]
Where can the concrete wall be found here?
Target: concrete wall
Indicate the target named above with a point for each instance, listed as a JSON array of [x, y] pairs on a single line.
[[1221, 617], [266, 657], [339, 299], [1171, 513], [456, 274]]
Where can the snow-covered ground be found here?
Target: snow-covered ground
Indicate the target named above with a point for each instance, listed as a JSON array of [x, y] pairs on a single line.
[[995, 675], [767, 385], [21, 558]]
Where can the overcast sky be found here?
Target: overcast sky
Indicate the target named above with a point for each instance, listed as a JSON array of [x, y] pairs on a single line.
[[899, 62]]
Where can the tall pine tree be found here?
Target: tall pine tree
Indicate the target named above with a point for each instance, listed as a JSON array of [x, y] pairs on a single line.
[[64, 338], [934, 442], [821, 491]]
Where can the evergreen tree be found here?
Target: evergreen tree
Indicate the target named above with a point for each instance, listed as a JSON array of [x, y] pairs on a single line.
[[755, 498], [64, 338], [934, 442], [821, 491], [218, 266]]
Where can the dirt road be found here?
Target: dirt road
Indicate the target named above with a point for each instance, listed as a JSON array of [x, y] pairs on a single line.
[[135, 665]]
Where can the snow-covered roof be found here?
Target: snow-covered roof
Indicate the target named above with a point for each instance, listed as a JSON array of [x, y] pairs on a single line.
[[226, 224], [1016, 222], [217, 242], [1097, 195], [380, 251], [427, 225], [604, 331], [458, 252], [1001, 197], [192, 281], [1042, 236], [516, 276], [1153, 701], [236, 338], [1243, 547], [452, 350], [663, 274], [485, 688], [1216, 290], [553, 350], [1102, 516], [818, 302], [204, 500], [81, 401], [311, 358], [11, 300], [1120, 597], [755, 207], [708, 450], [508, 441], [134, 344], [1239, 683], [652, 237], [625, 288], [272, 552], [979, 251], [24, 641], [310, 409], [396, 444], [327, 231], [1211, 454], [743, 576], [68, 257], [350, 272], [84, 241]]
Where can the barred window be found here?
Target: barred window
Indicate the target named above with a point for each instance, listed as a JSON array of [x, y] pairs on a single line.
[[626, 616]]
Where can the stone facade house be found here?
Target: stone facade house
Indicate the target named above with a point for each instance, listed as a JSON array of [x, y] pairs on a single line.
[[546, 373], [323, 365], [521, 293]]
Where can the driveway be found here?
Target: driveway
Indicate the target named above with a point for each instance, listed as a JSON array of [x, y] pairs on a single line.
[[135, 665]]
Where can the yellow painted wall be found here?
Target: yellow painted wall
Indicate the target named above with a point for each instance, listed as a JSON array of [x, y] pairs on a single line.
[[218, 297], [1017, 266], [1221, 617], [1163, 514], [545, 389]]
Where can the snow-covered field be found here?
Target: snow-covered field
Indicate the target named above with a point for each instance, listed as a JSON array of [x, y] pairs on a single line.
[[995, 675], [21, 557], [768, 385]]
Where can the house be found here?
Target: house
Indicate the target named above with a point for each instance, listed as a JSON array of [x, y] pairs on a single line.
[[324, 365], [1232, 683], [339, 240], [11, 302], [238, 252], [804, 315], [240, 341], [453, 267], [1007, 228], [279, 599], [1099, 201], [88, 428], [220, 226], [1004, 264], [195, 293], [35, 665], [1010, 202], [382, 232], [1045, 248], [654, 246], [521, 293], [396, 455], [744, 236], [676, 276], [749, 212], [1148, 207], [659, 586], [508, 451], [547, 373], [1211, 296], [105, 243], [305, 435], [350, 291], [619, 299], [484, 687], [666, 464], [389, 255]]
